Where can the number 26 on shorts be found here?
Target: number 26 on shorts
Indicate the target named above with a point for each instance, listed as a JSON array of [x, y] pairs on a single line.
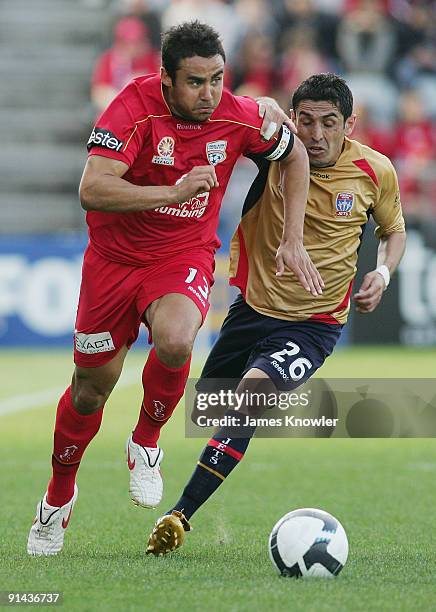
[[297, 369]]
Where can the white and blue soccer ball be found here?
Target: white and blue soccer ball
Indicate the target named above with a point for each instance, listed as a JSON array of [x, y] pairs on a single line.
[[308, 542]]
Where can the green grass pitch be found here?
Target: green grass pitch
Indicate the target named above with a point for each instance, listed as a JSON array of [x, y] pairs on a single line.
[[381, 490]]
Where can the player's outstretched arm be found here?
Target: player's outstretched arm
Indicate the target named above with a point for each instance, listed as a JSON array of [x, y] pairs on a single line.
[[291, 253], [273, 118], [102, 187], [390, 252]]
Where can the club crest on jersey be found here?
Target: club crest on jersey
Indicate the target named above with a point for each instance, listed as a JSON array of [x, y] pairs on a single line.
[[165, 150], [344, 204], [216, 151]]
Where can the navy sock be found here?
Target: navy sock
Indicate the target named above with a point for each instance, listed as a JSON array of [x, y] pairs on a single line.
[[221, 455]]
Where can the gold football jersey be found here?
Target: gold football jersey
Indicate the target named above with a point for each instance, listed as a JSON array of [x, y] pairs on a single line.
[[341, 198]]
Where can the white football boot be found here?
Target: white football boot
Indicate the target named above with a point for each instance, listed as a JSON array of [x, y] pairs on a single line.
[[146, 486], [46, 535]]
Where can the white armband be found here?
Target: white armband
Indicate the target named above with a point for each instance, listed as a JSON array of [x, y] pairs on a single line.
[[384, 271], [282, 144]]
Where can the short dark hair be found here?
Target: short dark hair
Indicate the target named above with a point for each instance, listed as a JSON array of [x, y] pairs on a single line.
[[329, 87], [186, 40]]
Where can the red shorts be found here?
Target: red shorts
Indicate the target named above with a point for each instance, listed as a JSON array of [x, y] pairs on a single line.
[[114, 297]]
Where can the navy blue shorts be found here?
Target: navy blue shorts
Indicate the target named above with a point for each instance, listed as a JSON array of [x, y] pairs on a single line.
[[290, 352]]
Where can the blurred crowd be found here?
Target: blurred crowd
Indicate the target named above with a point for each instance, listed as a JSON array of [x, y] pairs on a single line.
[[386, 49]]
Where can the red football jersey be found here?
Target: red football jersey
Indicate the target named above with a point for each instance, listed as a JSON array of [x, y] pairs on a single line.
[[138, 129]]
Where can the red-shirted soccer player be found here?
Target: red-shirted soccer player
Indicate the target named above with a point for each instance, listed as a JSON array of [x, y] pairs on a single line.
[[160, 159]]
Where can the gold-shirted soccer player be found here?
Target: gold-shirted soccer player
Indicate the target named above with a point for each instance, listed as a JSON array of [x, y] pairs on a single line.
[[274, 315]]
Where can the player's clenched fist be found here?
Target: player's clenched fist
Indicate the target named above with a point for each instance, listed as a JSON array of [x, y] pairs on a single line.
[[197, 180]]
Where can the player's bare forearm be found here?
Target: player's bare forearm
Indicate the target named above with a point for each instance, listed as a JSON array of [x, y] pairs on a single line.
[[390, 250], [294, 178], [291, 254], [104, 189], [110, 193]]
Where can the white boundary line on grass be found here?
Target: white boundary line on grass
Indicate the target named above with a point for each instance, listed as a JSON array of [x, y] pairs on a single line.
[[39, 399]]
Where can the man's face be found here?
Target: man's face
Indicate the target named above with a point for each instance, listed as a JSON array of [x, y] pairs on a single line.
[[322, 130], [197, 88]]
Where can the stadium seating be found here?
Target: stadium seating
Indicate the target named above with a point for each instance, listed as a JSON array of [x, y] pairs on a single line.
[[47, 51]]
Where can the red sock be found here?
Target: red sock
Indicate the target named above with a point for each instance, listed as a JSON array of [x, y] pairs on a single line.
[[163, 388], [73, 432]]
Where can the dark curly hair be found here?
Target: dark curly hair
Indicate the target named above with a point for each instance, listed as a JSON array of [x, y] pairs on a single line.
[[325, 87], [186, 40]]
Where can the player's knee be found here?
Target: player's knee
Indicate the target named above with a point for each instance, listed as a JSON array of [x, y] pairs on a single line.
[[88, 398], [174, 349], [257, 395]]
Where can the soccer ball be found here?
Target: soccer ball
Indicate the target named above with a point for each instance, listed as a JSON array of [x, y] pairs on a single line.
[[308, 542]]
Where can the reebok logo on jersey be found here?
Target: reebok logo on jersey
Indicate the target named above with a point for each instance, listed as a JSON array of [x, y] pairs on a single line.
[[319, 175], [104, 138], [94, 343], [188, 126]]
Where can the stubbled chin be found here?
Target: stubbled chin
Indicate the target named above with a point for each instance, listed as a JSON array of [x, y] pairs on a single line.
[[317, 163], [205, 114]]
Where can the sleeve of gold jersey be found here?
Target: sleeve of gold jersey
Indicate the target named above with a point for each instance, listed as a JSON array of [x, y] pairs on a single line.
[[387, 209]]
